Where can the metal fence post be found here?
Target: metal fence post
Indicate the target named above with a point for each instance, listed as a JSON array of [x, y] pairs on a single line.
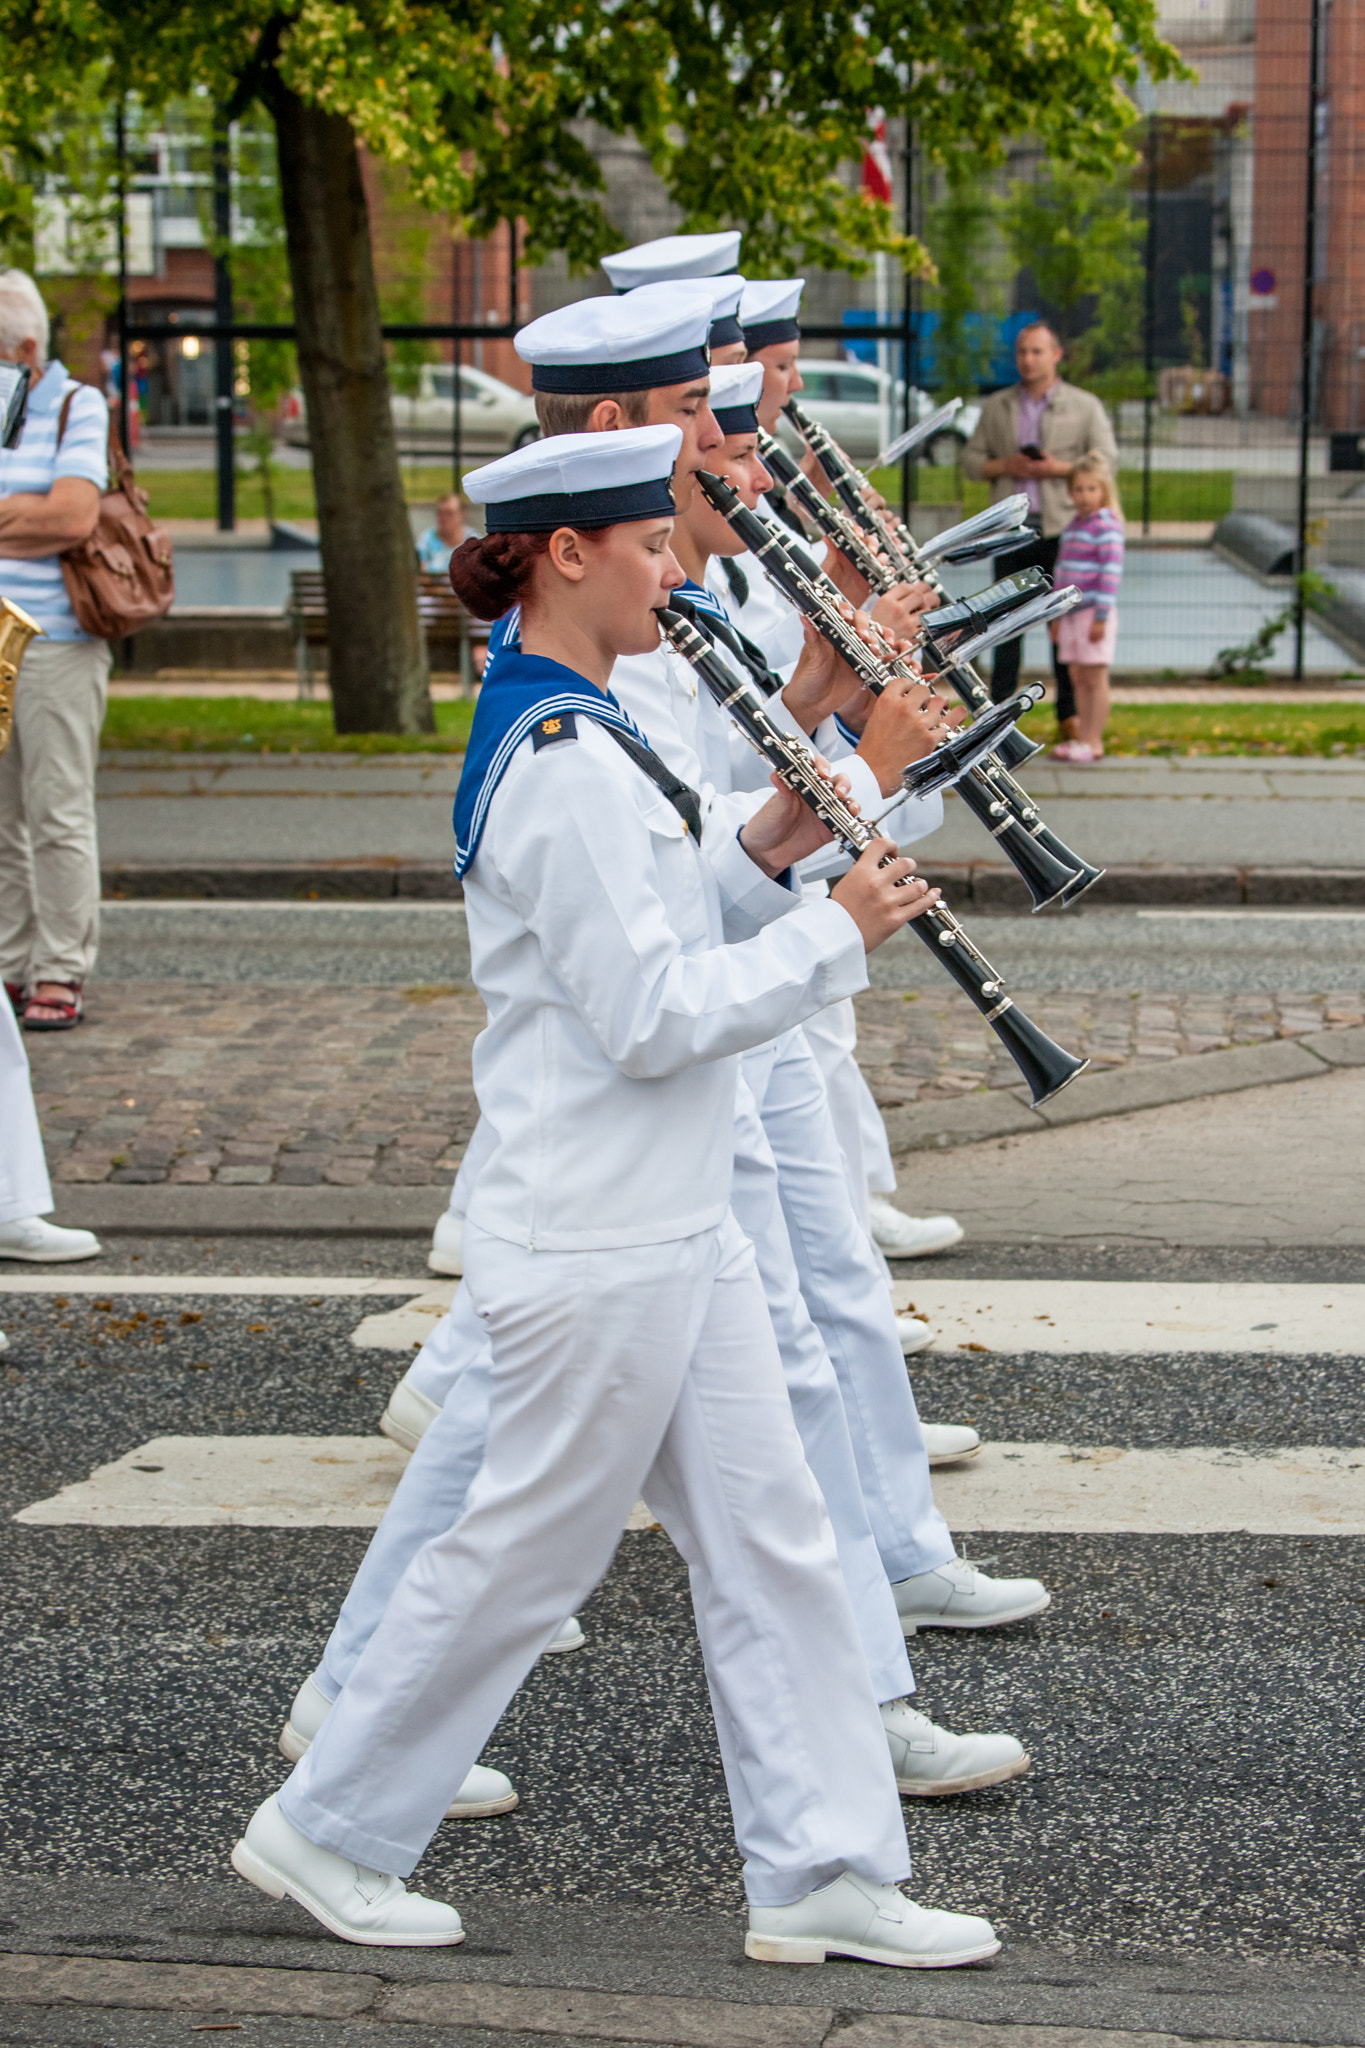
[[121, 146], [222, 313], [1310, 236], [1149, 321]]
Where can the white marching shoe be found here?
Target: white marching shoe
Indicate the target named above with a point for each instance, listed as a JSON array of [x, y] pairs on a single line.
[[931, 1763], [354, 1903], [949, 1443], [46, 1244], [909, 1237], [568, 1636], [875, 1923], [957, 1595], [408, 1416], [913, 1333], [483, 1793], [447, 1245]]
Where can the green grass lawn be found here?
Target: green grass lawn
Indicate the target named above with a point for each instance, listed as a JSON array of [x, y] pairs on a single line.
[[253, 726], [1330, 729], [193, 493], [1176, 493]]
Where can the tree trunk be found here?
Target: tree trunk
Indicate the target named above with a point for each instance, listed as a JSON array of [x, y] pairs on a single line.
[[376, 659]]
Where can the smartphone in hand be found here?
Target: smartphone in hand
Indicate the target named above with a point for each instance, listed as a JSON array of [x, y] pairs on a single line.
[[1032, 450]]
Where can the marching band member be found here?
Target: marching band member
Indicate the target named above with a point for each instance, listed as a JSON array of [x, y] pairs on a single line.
[[630, 1339], [440, 1406], [770, 316]]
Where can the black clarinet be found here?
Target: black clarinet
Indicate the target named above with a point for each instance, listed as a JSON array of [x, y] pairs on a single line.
[[902, 548], [1045, 1066], [1049, 870], [850, 484]]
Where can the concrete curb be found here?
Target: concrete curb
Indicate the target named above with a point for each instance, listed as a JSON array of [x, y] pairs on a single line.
[[1003, 1113], [125, 1209], [94, 1984], [986, 888], [165, 1210]]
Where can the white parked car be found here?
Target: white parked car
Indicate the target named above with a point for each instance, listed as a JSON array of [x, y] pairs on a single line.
[[850, 402], [494, 418]]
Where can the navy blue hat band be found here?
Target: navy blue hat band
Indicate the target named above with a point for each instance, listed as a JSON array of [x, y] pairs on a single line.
[[646, 373], [768, 332], [610, 507], [736, 419], [725, 331]]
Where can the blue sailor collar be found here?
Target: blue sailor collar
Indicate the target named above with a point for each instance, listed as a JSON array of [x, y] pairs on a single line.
[[526, 689]]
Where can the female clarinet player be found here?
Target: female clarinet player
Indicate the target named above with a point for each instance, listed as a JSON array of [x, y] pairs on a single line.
[[632, 1349]]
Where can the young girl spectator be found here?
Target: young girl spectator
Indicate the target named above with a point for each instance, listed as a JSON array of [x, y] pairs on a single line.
[[1091, 557]]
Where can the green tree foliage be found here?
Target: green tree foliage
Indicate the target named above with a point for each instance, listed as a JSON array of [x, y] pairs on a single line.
[[1080, 235], [747, 110], [959, 231]]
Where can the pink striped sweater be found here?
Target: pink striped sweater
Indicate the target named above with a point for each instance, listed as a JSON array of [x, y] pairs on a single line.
[[1091, 557]]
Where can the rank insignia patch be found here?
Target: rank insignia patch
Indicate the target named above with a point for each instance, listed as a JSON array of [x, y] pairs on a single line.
[[563, 727]]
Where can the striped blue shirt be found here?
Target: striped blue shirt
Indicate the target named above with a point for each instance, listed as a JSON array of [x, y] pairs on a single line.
[[34, 465]]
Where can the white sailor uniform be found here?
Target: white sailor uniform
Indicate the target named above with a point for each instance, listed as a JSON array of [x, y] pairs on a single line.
[[631, 1344], [24, 1186]]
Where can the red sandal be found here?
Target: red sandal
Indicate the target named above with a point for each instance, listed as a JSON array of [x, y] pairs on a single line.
[[16, 993], [65, 1010]]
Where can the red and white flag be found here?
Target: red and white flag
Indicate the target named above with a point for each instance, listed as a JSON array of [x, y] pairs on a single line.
[[876, 182]]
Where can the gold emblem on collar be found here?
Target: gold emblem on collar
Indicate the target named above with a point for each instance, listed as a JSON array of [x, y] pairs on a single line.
[[550, 725]]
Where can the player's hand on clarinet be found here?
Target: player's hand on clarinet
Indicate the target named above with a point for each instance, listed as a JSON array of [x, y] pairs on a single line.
[[881, 892]]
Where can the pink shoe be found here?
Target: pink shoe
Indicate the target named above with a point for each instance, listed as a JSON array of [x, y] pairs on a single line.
[[1077, 752]]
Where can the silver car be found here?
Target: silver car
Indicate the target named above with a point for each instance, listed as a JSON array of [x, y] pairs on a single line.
[[861, 406], [494, 418]]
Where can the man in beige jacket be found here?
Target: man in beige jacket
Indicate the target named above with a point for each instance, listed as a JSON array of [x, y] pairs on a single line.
[[1028, 436]]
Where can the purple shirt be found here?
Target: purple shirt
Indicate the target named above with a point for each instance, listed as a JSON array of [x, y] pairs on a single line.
[[1029, 434]]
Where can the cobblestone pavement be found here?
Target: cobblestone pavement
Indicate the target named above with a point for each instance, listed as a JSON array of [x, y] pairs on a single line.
[[343, 1087]]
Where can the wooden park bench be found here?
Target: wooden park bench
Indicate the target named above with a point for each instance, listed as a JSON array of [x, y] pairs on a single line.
[[443, 619]]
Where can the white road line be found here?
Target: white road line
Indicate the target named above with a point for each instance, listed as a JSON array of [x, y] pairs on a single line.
[[1290, 911], [117, 1284], [242, 907], [339, 1482], [1057, 1489], [272, 1482], [1139, 1316]]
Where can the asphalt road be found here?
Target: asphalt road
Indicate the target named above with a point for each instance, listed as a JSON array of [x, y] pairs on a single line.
[[1190, 1701], [391, 944], [1185, 1856]]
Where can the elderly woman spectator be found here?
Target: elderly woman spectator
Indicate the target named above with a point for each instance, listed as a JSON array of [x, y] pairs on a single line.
[[49, 501]]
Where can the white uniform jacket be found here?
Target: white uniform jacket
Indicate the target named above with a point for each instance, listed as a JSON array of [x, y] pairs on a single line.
[[615, 1007]]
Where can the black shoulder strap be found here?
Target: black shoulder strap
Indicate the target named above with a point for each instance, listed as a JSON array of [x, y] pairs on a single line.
[[680, 794], [736, 578]]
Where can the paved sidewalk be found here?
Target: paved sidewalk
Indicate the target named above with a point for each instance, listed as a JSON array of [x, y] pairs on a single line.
[[250, 1085], [1225, 829]]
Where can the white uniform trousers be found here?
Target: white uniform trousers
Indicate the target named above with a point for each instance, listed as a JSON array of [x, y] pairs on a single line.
[[453, 1369], [654, 1368], [843, 1282], [24, 1186], [833, 1038]]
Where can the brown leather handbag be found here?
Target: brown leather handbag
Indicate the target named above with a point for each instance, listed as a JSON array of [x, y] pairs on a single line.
[[123, 576]]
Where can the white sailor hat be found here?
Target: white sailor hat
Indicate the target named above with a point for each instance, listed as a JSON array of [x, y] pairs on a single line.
[[673, 257], [725, 327], [656, 335], [580, 480], [734, 395], [768, 311]]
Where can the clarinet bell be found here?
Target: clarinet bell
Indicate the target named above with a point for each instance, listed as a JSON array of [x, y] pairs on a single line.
[[1044, 876], [1075, 889], [1046, 1066], [1016, 747]]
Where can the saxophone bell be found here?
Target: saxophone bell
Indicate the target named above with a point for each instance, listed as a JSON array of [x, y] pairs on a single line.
[[16, 630]]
